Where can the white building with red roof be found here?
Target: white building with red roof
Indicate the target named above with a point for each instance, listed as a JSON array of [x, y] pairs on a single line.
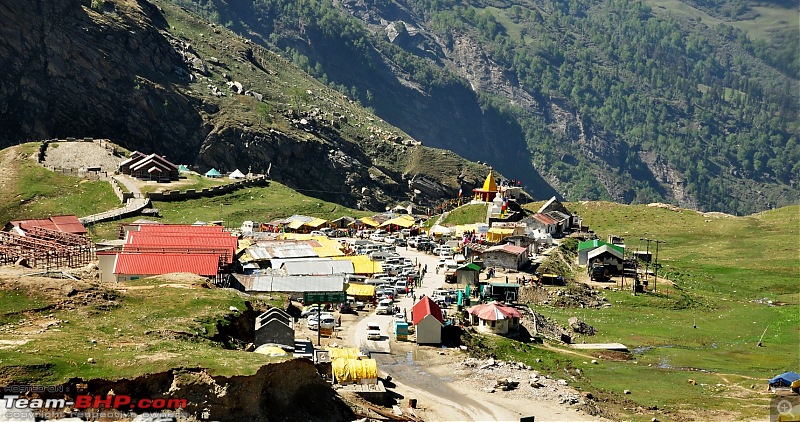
[[428, 321], [155, 249], [495, 318]]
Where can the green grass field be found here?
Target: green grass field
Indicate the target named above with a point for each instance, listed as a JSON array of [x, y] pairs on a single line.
[[260, 204], [130, 333], [36, 192], [466, 214], [724, 270]]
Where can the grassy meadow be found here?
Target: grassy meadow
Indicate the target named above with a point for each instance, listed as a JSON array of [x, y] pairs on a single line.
[[32, 191], [148, 328], [704, 324]]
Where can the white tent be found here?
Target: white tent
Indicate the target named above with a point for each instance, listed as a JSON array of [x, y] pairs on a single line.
[[440, 230], [236, 175]]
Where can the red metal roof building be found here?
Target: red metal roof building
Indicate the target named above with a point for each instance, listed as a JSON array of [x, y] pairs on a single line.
[[188, 249], [132, 266], [427, 318], [61, 223]]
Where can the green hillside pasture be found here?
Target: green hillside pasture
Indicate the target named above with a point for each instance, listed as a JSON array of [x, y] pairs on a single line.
[[141, 331], [260, 204], [466, 214], [737, 258], [668, 351], [725, 270], [37, 192]]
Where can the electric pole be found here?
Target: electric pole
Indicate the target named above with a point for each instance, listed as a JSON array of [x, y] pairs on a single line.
[[655, 266]]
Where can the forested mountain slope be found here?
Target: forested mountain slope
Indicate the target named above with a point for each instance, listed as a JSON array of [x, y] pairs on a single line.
[[689, 103]]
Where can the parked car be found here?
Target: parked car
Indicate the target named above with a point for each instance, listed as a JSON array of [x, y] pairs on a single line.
[[327, 321], [401, 287], [413, 242], [384, 307], [357, 304], [400, 242], [424, 246], [310, 309], [378, 237], [373, 331], [318, 233], [390, 239]]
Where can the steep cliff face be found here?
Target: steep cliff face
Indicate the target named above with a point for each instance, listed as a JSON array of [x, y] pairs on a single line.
[[155, 79], [70, 70]]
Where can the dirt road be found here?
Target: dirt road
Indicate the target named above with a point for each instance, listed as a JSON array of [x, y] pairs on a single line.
[[421, 373]]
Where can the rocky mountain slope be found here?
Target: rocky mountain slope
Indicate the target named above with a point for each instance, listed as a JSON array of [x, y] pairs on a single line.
[[624, 100], [154, 78]]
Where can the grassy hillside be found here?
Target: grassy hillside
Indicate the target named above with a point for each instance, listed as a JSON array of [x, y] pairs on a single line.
[[28, 190], [260, 204], [128, 333], [704, 324], [467, 214]]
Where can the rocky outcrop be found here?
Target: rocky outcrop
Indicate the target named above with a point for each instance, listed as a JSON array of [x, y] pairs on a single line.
[[71, 70], [289, 390]]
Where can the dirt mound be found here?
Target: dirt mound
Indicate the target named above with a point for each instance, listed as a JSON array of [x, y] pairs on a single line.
[[577, 295], [290, 391]]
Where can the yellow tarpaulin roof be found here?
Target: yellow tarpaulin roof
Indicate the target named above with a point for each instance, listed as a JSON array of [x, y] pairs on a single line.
[[328, 247], [497, 234], [316, 222], [362, 264], [361, 290], [354, 370], [342, 352], [296, 224], [370, 222], [243, 244], [402, 221]]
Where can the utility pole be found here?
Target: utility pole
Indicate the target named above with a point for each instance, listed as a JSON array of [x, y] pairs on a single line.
[[655, 266], [647, 263]]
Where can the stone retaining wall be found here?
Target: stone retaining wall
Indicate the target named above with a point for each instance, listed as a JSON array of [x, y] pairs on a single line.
[[174, 195]]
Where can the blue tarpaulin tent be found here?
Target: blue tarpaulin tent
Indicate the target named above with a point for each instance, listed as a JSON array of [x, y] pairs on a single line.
[[784, 380]]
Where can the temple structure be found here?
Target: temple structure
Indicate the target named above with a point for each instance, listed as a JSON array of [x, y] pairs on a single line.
[[488, 191]]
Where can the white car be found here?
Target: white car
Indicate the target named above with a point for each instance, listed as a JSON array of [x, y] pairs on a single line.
[[401, 287], [378, 237], [373, 331], [389, 239], [328, 321], [384, 307]]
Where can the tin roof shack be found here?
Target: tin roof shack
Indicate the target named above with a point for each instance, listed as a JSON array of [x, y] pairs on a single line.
[[428, 321], [495, 318], [274, 327], [468, 274], [607, 256], [506, 256], [590, 245], [280, 282]]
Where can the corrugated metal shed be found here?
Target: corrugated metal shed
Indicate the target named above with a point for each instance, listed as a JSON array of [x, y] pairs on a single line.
[[61, 223], [313, 266], [164, 263], [362, 264], [291, 283]]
